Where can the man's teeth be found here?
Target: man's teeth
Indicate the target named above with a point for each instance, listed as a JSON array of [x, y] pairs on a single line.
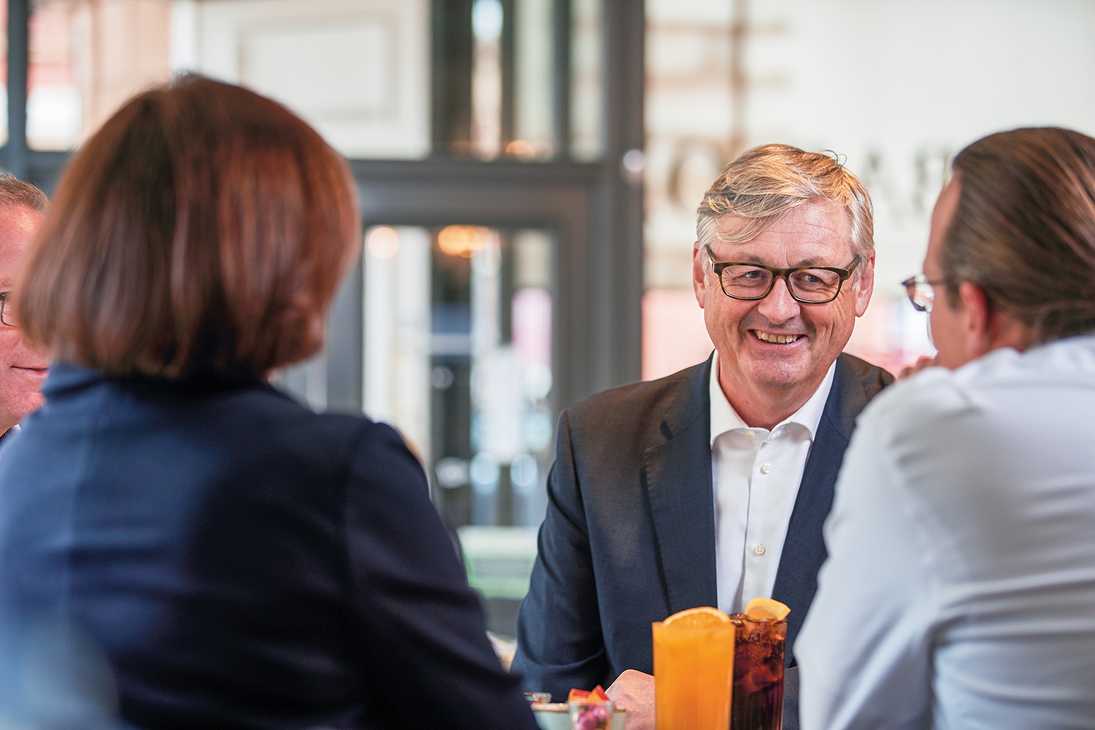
[[777, 339]]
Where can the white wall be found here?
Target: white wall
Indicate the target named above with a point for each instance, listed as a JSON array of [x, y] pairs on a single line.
[[905, 79], [896, 87]]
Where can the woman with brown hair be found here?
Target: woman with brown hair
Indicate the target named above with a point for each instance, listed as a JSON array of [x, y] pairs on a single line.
[[229, 557]]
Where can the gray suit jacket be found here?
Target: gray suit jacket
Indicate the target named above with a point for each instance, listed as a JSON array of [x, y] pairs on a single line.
[[629, 535]]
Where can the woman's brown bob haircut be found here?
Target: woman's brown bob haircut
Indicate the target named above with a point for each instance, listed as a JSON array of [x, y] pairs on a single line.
[[203, 229], [1024, 229]]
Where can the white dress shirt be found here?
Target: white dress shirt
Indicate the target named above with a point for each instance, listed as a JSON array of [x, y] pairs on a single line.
[[960, 586], [755, 473]]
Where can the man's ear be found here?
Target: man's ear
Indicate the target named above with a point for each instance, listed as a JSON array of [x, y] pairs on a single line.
[[977, 315], [865, 286], [989, 327], [699, 276]]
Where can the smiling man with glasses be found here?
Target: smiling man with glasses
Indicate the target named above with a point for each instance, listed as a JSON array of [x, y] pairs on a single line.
[[22, 368], [710, 486]]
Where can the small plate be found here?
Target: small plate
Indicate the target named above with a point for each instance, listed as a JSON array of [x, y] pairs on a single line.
[[556, 716]]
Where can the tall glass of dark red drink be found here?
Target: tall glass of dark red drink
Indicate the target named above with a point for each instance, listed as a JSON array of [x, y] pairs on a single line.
[[758, 673]]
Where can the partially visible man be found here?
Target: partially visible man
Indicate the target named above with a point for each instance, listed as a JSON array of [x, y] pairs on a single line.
[[960, 588], [710, 486], [22, 368]]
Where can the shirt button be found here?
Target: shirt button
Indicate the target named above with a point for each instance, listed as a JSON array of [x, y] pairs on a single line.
[[759, 550], [765, 468]]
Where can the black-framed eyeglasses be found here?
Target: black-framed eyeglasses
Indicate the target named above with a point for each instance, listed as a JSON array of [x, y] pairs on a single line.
[[921, 291], [806, 284], [7, 310]]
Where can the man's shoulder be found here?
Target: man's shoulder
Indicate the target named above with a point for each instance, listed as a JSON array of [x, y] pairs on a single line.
[[644, 402], [668, 385], [917, 405], [937, 395], [871, 377]]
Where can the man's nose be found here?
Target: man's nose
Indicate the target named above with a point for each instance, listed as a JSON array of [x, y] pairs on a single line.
[[779, 306]]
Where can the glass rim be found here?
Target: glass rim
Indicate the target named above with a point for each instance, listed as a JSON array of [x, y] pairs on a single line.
[[742, 616]]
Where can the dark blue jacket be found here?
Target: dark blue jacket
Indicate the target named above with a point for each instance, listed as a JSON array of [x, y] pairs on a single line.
[[212, 554], [629, 536]]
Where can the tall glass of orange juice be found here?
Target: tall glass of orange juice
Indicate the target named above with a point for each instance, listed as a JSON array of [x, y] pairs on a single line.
[[693, 670]]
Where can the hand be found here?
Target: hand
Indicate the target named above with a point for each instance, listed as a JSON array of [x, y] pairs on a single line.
[[921, 362], [634, 691]]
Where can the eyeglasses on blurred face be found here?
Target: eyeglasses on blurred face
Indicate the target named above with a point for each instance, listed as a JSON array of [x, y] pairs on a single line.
[[7, 310], [806, 284], [921, 292]]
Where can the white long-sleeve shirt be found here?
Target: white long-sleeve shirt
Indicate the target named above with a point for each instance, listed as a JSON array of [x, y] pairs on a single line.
[[960, 586], [756, 475]]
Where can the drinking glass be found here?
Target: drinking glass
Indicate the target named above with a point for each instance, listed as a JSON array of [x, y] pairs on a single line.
[[692, 676], [758, 673]]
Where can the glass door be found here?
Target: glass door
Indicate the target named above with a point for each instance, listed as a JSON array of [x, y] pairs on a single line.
[[460, 357]]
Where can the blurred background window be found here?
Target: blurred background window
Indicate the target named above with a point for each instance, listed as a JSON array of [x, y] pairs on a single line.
[[529, 172], [362, 72], [460, 356]]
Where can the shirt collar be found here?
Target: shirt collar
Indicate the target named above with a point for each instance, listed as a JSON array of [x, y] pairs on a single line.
[[724, 418], [9, 432]]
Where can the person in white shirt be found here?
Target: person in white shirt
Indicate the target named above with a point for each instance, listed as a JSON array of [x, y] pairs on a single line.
[[710, 486], [960, 586]]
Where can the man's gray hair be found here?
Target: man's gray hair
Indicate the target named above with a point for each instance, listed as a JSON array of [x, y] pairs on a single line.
[[16, 192], [766, 182]]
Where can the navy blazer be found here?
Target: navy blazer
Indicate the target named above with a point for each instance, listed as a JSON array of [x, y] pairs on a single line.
[[212, 554], [629, 535]]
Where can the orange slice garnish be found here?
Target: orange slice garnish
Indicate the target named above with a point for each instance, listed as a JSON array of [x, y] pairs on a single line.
[[696, 618], [764, 609]]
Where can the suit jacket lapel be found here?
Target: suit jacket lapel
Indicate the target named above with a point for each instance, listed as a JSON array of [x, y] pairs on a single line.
[[804, 547], [676, 474]]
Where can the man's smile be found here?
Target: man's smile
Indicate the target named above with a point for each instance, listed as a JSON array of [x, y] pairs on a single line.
[[775, 338]]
